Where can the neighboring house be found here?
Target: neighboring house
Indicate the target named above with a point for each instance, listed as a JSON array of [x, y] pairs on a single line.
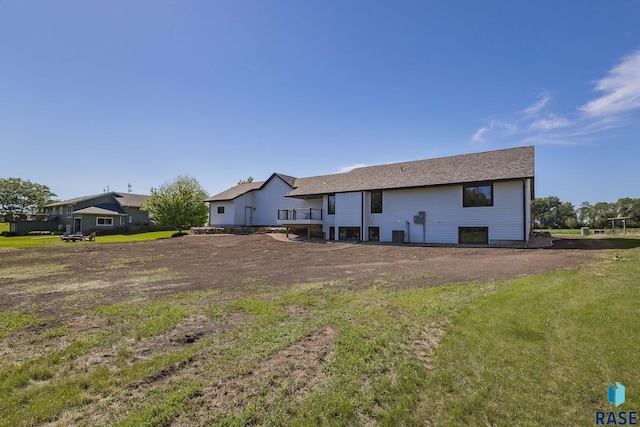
[[481, 198], [254, 203], [107, 212]]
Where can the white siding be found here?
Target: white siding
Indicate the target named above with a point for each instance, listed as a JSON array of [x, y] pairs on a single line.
[[444, 213], [240, 203], [216, 219], [264, 206], [327, 220], [270, 198], [348, 210]]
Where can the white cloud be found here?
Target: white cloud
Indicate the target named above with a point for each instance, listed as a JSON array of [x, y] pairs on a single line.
[[534, 109], [477, 137], [505, 128], [349, 168], [621, 89], [620, 94], [551, 122]]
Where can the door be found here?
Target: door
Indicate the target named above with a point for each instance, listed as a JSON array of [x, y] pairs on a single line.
[[248, 212], [77, 225]]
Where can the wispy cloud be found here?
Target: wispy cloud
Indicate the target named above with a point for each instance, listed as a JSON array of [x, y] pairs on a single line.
[[551, 122], [349, 168], [504, 128], [534, 109], [621, 89]]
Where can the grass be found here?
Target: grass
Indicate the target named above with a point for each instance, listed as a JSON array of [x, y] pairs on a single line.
[[556, 342], [577, 231], [538, 350], [47, 241]]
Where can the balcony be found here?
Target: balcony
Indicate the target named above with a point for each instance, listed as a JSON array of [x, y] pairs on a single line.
[[300, 216]]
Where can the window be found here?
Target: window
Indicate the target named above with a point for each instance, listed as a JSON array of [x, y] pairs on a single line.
[[477, 195], [69, 210], [473, 235], [374, 234], [331, 204], [332, 233], [220, 209], [376, 202], [104, 221], [348, 233]]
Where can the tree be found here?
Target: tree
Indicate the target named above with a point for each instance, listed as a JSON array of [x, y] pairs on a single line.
[[18, 196], [550, 212], [631, 208], [179, 204], [246, 181]]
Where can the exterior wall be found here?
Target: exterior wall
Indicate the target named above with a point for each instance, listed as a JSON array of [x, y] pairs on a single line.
[[59, 212], [227, 218], [444, 213], [240, 203], [327, 220], [270, 198], [89, 223], [348, 211], [135, 216], [264, 204]]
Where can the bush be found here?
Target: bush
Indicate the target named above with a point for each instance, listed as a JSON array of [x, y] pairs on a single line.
[[7, 234]]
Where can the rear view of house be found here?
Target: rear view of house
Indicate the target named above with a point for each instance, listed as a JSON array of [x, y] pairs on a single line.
[[482, 198]]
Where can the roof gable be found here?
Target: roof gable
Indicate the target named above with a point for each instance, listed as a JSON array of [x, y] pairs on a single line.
[[235, 192]]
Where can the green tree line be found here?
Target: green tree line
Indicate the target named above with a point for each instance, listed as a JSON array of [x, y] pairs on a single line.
[[551, 212]]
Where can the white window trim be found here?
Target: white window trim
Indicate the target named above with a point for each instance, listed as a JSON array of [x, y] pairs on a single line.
[[69, 211], [106, 219]]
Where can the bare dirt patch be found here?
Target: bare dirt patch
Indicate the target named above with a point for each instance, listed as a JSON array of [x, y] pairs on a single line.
[[234, 263]]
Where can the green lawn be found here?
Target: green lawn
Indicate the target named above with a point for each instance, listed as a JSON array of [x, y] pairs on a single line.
[[538, 350], [51, 240]]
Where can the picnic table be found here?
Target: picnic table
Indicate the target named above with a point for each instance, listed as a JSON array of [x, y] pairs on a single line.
[[78, 237]]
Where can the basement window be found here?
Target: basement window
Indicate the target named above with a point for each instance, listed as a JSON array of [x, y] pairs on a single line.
[[473, 235], [349, 233]]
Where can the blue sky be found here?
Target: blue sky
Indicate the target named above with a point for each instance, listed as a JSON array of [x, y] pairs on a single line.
[[107, 93]]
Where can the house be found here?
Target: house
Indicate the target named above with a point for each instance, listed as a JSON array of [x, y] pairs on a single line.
[[107, 212], [481, 198], [254, 203]]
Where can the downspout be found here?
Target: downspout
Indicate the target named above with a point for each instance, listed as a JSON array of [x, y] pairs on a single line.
[[362, 216], [524, 211]]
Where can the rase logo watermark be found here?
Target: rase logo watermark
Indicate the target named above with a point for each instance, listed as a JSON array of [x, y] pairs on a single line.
[[615, 396]]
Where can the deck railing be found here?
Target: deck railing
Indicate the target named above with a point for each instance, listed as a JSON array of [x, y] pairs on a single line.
[[300, 214]]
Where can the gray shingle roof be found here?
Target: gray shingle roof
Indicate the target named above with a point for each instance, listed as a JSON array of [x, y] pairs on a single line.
[[124, 199], [241, 189], [486, 166], [130, 199], [101, 209], [234, 192]]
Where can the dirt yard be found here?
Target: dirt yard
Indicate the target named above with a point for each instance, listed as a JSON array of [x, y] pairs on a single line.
[[235, 330], [123, 271]]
